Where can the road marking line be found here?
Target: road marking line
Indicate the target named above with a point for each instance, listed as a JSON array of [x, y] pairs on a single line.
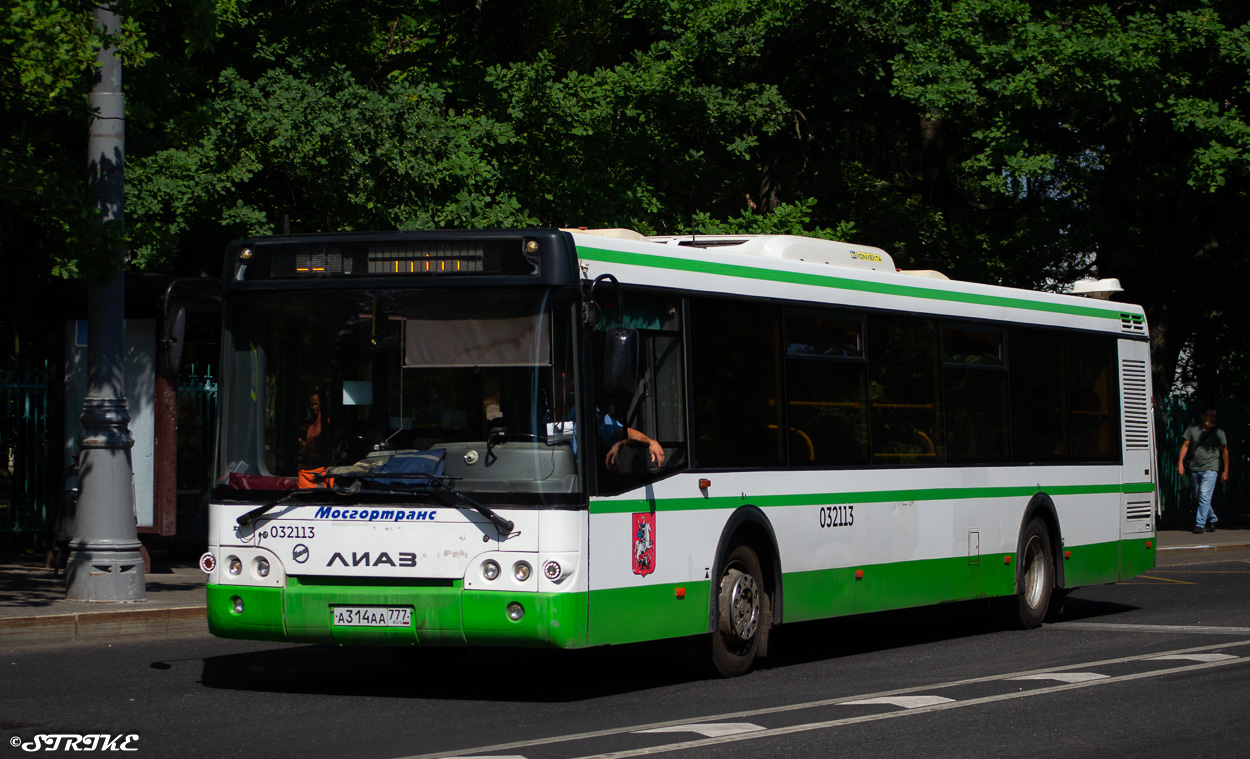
[[1111, 626], [791, 729], [1159, 579], [1201, 571], [711, 730], [1063, 677], [568, 738], [1194, 657], [906, 702]]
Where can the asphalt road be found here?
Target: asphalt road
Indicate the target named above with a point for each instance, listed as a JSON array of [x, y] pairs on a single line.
[[1155, 667]]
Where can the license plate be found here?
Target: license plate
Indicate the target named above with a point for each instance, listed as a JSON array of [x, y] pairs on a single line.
[[372, 616]]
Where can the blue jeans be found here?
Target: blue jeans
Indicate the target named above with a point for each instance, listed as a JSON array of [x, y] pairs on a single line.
[[1204, 488]]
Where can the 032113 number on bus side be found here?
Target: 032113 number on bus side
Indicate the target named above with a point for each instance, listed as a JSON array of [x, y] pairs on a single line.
[[837, 516], [294, 532]]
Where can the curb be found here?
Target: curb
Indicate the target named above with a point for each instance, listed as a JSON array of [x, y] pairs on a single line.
[[1207, 547], [93, 627]]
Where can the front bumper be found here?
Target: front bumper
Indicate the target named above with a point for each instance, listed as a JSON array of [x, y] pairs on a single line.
[[443, 614]]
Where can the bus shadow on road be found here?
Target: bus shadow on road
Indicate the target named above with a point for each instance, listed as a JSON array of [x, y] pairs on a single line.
[[808, 642], [880, 631], [452, 674], [1080, 608]]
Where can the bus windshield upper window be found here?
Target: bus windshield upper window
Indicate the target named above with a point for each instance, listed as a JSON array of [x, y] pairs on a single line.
[[348, 378]]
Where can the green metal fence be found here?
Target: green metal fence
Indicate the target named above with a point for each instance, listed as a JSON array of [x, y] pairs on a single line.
[[1172, 416], [24, 445], [197, 410]]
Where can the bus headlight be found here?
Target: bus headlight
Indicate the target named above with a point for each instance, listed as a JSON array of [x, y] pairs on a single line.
[[521, 571], [233, 565], [262, 567], [515, 611], [490, 569]]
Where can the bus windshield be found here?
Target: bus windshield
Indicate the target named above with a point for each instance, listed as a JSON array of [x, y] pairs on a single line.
[[349, 378]]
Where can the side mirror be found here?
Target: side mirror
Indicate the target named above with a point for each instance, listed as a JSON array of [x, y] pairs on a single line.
[[173, 337], [620, 362]]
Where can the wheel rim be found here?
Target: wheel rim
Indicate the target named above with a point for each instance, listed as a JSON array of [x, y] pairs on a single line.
[[1034, 573], [744, 605]]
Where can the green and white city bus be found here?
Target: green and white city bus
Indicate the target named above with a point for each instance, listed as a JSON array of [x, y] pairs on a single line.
[[555, 438]]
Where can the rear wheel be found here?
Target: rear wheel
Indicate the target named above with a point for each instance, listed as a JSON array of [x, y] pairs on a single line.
[[742, 606], [1037, 576]]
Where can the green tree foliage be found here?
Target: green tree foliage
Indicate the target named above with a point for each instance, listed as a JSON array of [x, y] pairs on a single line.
[[1004, 141], [47, 49], [322, 152], [1085, 135]]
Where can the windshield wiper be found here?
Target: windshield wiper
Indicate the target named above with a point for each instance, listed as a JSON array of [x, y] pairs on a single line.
[[259, 511], [504, 526]]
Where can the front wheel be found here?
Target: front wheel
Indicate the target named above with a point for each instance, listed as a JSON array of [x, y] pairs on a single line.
[[1037, 576], [742, 606]]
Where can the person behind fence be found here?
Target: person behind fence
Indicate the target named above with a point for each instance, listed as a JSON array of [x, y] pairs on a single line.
[[1204, 454]]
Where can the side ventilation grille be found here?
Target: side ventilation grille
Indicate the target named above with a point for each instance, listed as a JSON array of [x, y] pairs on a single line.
[[1133, 324], [1137, 510], [1136, 406]]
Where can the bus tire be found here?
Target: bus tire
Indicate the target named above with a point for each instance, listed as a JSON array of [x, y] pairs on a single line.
[[742, 607], [1037, 576]]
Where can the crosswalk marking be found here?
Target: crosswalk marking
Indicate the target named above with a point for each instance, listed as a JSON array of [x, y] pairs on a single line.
[[906, 702], [1113, 627], [1063, 677], [710, 730], [1194, 657]]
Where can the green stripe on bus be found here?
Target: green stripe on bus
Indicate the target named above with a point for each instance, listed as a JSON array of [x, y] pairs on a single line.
[[649, 612], [872, 496], [841, 283]]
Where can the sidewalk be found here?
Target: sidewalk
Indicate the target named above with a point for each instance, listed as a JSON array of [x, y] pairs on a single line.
[[34, 612], [1172, 541]]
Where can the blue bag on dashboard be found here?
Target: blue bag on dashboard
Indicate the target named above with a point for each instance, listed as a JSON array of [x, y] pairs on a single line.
[[410, 463]]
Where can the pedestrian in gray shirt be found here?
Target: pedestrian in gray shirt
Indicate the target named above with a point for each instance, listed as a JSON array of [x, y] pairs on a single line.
[[1210, 450]]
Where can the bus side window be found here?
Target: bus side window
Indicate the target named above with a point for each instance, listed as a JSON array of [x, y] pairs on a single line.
[[736, 415], [826, 389], [974, 378], [1039, 413], [906, 413], [1095, 399], [644, 433]]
